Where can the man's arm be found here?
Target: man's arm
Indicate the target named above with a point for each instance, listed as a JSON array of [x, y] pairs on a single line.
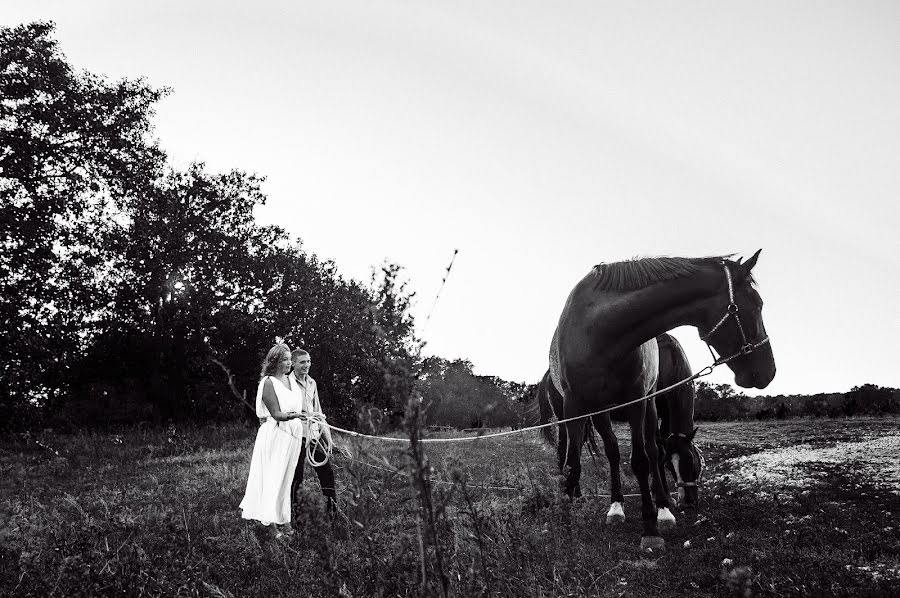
[[317, 406]]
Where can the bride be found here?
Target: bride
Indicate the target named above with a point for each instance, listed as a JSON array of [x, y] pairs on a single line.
[[278, 442]]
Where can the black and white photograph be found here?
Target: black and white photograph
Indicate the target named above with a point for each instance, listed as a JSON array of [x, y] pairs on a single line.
[[446, 299]]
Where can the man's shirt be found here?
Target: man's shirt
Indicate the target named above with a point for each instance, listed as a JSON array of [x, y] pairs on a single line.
[[309, 391]]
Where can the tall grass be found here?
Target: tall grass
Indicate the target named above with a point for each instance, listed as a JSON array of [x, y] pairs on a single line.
[[154, 513]]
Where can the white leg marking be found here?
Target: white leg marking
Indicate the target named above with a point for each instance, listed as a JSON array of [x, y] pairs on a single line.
[[665, 519], [616, 513]]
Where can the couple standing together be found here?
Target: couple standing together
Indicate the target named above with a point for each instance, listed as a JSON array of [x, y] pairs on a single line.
[[285, 397]]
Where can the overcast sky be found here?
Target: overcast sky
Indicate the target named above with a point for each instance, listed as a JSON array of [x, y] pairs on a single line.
[[541, 138]]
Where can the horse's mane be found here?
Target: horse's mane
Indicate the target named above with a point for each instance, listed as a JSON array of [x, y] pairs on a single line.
[[638, 273]]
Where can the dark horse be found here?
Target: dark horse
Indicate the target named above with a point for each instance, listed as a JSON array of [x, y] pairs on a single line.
[[676, 422], [674, 439], [604, 350]]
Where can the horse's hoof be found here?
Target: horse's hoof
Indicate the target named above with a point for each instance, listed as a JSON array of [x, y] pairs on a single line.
[[652, 543], [665, 519], [616, 514]]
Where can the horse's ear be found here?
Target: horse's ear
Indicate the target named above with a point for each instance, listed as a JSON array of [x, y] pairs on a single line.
[[744, 269]]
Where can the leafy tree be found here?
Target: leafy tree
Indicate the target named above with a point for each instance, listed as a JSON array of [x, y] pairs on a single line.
[[188, 280], [202, 284], [452, 395], [871, 398], [361, 339], [717, 401], [121, 277], [72, 146]]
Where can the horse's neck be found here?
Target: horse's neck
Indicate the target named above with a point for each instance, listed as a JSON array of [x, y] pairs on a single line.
[[676, 412], [681, 410], [646, 313]]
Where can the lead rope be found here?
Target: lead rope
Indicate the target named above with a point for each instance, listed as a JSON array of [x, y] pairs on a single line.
[[732, 309], [319, 419], [318, 424]]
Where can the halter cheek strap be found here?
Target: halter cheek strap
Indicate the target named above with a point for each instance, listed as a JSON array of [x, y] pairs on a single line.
[[682, 484], [732, 311]]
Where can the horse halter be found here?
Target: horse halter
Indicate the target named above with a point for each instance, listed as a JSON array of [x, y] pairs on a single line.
[[681, 483], [732, 310]]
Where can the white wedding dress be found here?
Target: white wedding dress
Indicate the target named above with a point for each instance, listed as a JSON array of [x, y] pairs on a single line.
[[275, 454]]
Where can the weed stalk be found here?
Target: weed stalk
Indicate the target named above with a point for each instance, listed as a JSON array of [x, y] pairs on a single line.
[[421, 483]]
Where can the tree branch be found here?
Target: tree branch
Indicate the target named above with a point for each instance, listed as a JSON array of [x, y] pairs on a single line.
[[234, 390]]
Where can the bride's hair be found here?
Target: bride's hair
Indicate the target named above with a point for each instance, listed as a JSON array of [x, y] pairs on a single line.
[[272, 358]]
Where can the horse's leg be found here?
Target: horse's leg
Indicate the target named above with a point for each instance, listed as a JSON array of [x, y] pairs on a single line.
[[562, 451], [667, 469], [664, 505], [603, 425], [664, 418], [665, 464], [561, 443], [661, 458], [572, 463], [640, 465]]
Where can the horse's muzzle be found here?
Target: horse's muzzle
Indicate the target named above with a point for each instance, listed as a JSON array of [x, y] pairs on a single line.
[[688, 497]]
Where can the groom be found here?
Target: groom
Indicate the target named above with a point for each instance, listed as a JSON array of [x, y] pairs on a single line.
[[309, 392]]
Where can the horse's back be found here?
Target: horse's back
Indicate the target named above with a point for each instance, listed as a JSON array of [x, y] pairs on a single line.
[[581, 363]]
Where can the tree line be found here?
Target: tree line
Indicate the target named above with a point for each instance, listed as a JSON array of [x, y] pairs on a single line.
[[723, 402]]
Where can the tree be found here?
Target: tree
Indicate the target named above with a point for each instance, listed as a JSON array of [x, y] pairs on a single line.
[[189, 277], [717, 401], [871, 398], [452, 395], [72, 146], [361, 339], [119, 274]]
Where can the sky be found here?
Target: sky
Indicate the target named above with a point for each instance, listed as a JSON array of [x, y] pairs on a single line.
[[542, 138]]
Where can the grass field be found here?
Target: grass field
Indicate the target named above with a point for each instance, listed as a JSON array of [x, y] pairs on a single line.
[[154, 513]]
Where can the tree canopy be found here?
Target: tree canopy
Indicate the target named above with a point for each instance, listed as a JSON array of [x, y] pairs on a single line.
[[131, 289]]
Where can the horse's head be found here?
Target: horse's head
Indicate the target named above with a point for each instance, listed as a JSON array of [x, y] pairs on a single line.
[[734, 326], [687, 464]]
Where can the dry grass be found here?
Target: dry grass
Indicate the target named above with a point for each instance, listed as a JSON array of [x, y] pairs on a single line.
[[147, 513]]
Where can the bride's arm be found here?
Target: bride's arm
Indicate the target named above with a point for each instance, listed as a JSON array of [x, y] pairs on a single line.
[[270, 400]]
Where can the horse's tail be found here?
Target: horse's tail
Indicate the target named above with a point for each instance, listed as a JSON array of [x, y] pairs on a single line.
[[531, 414], [544, 390], [591, 439]]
